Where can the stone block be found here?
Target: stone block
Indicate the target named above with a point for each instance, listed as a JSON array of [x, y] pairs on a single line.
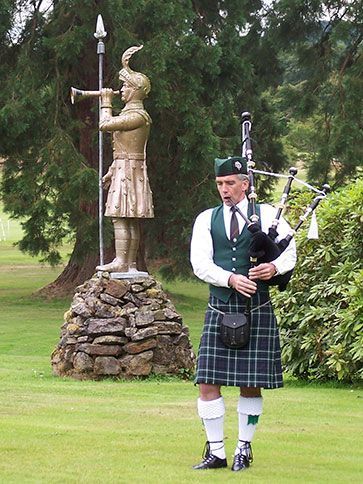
[[182, 340], [174, 358], [100, 350], [129, 307], [154, 306], [102, 310], [109, 299], [129, 297], [109, 339], [82, 339], [72, 340], [106, 365], [117, 288], [167, 327], [144, 318], [106, 326], [81, 308], [164, 351], [137, 365], [137, 288], [82, 362], [159, 315], [140, 334], [184, 358], [73, 328], [61, 360], [147, 282], [171, 314], [134, 347]]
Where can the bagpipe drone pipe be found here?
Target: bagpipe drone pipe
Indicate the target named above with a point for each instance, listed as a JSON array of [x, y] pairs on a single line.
[[267, 247]]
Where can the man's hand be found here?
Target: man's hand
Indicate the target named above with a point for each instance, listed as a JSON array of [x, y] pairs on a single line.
[[242, 284], [264, 272]]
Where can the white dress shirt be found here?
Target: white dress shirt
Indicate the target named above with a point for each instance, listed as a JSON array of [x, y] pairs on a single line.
[[201, 249]]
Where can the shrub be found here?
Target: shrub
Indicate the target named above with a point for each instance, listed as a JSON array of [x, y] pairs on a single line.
[[321, 313]]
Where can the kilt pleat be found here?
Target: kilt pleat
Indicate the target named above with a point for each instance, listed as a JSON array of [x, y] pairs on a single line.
[[256, 365]]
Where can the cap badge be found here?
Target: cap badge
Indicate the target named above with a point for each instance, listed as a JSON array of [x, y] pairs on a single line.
[[238, 165]]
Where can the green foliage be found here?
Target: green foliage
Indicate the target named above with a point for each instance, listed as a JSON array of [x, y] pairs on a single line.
[[321, 313], [320, 47], [47, 181]]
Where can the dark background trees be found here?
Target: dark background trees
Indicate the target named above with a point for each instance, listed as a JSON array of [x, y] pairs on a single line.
[[207, 61], [320, 45]]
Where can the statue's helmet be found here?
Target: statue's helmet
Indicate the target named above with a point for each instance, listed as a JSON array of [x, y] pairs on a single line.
[[136, 79]]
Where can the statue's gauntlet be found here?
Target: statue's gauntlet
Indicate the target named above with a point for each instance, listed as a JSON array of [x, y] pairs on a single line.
[[106, 179], [106, 98]]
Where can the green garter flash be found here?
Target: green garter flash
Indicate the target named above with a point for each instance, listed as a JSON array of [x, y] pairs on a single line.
[[252, 419]]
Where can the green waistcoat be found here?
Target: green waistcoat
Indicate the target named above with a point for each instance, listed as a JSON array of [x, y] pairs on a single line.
[[231, 256]]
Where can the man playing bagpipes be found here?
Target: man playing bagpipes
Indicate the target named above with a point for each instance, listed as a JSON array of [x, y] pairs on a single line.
[[247, 353]]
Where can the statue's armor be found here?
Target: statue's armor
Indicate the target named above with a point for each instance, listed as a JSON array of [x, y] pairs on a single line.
[[129, 194]]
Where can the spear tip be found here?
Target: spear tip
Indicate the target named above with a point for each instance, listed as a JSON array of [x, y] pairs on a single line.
[[100, 29]]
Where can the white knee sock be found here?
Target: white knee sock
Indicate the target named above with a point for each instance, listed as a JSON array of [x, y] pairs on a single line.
[[212, 413], [249, 410]]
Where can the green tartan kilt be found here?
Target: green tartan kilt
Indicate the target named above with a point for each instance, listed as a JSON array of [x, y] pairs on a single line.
[[256, 365]]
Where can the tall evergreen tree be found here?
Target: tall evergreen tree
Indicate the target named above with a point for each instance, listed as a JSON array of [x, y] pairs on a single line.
[[207, 61], [321, 45]]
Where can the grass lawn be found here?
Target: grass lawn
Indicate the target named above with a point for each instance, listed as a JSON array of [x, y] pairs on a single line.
[[55, 430]]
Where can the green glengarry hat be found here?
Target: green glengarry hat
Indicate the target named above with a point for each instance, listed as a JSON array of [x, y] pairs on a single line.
[[233, 165]]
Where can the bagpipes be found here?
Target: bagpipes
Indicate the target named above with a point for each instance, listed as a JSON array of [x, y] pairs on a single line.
[[263, 247]]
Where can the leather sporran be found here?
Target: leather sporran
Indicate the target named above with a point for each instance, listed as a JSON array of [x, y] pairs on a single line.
[[235, 330]]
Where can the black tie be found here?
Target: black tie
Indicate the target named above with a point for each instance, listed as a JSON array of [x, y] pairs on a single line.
[[234, 231]]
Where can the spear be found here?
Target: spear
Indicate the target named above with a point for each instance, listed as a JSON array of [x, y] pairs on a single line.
[[100, 34]]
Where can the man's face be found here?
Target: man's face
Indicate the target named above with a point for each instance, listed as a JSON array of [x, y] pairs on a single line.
[[127, 92], [231, 188]]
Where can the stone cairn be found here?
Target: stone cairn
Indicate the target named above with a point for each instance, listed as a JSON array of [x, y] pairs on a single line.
[[122, 328]]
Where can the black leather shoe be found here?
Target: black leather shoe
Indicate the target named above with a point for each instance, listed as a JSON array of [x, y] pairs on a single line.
[[210, 461], [244, 459]]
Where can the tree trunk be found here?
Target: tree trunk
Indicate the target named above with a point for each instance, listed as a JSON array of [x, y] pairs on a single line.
[[76, 273], [73, 275]]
